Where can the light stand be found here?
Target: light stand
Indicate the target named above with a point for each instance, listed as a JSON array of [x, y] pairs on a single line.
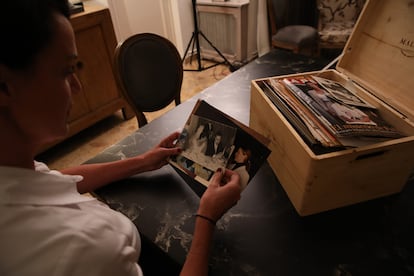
[[195, 42]]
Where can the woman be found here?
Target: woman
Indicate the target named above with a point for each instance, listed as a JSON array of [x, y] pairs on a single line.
[[241, 165], [198, 142], [47, 226]]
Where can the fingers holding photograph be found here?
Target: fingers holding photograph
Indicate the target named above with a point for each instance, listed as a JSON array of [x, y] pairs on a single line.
[[210, 140]]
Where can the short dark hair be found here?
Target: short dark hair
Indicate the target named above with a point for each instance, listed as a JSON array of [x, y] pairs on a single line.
[[26, 28]]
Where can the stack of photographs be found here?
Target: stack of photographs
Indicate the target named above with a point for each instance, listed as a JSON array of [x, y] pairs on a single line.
[[326, 114]]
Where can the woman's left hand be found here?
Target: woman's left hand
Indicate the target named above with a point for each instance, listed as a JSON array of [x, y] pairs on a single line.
[[159, 155]]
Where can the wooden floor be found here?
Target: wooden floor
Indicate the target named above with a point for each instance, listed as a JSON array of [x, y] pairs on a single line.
[[88, 143]]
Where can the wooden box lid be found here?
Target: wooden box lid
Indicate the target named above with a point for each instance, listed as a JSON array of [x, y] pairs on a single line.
[[379, 55]]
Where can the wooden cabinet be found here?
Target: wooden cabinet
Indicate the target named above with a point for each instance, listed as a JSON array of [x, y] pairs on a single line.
[[96, 42]]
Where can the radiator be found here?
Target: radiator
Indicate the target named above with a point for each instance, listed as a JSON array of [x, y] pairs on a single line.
[[220, 31], [231, 29]]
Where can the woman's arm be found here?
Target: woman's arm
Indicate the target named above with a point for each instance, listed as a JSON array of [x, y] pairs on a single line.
[[101, 174], [222, 193], [196, 262]]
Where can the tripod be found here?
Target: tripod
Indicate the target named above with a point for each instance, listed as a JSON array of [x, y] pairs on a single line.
[[195, 42]]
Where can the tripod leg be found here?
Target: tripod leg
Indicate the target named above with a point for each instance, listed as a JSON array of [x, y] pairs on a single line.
[[188, 47], [193, 43], [232, 68], [194, 47]]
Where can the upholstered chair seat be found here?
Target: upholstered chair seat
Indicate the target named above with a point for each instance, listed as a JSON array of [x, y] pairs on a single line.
[[298, 36]]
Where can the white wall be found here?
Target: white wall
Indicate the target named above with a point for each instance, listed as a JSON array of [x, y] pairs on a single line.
[[103, 2], [136, 16], [184, 16], [169, 18], [145, 16]]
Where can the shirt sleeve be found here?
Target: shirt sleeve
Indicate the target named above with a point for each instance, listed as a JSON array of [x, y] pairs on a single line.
[[101, 251]]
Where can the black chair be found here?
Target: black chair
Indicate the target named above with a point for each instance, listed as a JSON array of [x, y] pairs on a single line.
[[149, 71]]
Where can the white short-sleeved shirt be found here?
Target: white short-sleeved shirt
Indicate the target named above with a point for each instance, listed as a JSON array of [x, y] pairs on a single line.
[[48, 228]]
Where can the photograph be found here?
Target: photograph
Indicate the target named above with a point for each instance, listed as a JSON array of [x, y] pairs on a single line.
[[318, 97], [207, 144], [211, 139], [341, 93]]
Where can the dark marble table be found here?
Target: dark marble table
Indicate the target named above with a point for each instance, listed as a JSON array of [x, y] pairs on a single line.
[[262, 235]]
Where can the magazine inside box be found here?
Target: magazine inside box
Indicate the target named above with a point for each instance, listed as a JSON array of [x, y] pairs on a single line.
[[390, 115]]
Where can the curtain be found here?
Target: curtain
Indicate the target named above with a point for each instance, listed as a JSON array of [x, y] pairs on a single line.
[[263, 41]]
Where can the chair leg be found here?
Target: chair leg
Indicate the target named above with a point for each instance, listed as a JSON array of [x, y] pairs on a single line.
[[127, 112], [142, 121]]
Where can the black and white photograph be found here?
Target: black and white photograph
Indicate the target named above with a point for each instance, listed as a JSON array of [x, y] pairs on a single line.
[[341, 93], [207, 143], [211, 140]]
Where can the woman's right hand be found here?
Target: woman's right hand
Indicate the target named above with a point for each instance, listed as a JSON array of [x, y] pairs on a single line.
[[222, 193]]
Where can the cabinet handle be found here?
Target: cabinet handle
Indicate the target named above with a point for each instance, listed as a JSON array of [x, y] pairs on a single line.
[[79, 65]]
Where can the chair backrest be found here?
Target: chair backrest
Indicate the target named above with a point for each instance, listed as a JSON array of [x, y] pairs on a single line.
[[283, 13], [339, 10], [149, 72], [336, 21]]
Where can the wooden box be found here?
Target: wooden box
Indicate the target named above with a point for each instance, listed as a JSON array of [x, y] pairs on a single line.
[[379, 62]]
